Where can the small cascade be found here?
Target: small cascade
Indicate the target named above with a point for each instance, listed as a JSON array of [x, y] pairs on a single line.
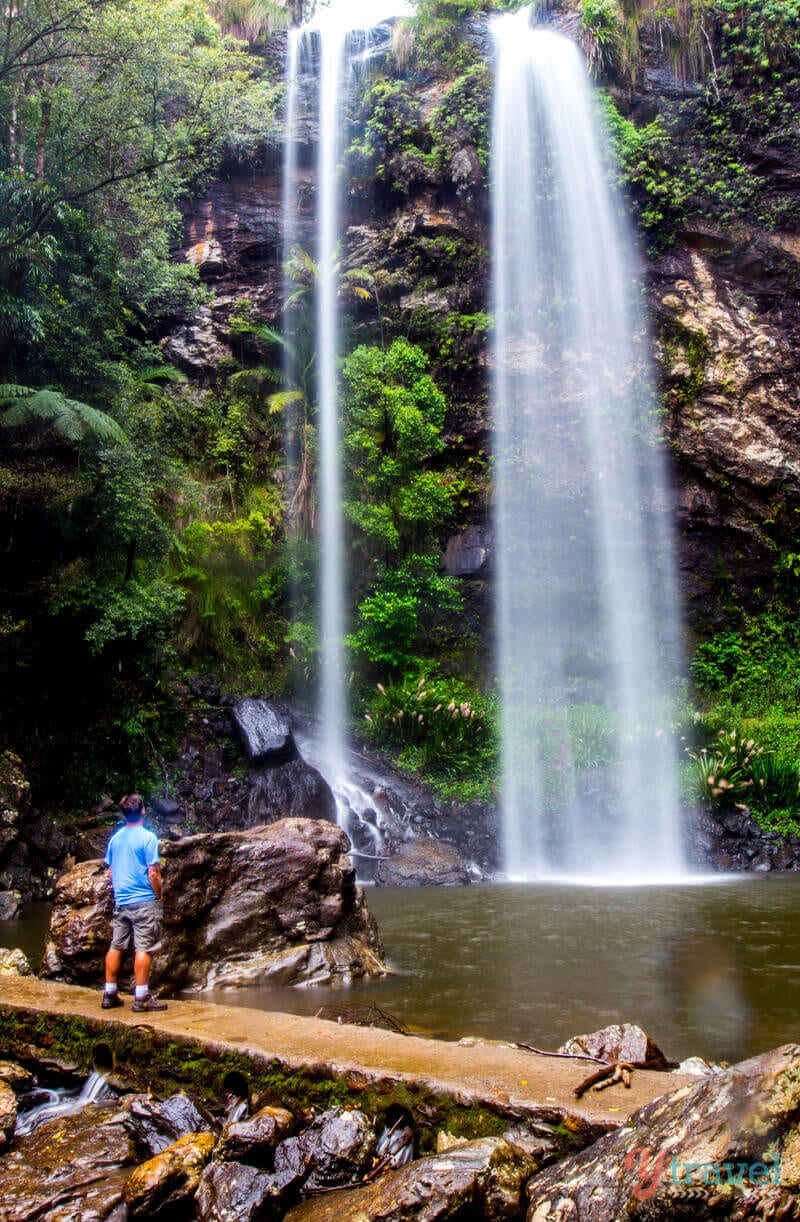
[[62, 1102], [587, 620], [237, 1109], [329, 49]]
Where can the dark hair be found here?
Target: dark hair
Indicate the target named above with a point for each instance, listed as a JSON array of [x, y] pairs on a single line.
[[132, 807]]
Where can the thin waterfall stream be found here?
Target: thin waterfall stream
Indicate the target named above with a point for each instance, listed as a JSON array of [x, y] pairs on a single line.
[[587, 620], [340, 37]]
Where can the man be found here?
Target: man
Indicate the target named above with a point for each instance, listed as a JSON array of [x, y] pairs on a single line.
[[133, 859]]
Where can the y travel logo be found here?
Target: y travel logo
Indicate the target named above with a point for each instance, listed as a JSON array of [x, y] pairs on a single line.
[[653, 1169]]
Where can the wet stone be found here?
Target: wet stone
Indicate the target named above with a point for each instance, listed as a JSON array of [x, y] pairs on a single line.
[[15, 1076], [155, 1124], [236, 1192], [14, 963], [164, 1185], [72, 1167], [337, 1147], [265, 734], [8, 1115], [619, 1042], [478, 1180], [254, 1140]]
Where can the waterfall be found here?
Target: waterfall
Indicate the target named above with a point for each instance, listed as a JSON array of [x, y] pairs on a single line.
[[341, 36], [62, 1102], [587, 622]]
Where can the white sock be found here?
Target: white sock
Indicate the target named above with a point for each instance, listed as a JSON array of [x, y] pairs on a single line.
[[111, 988], [141, 991]]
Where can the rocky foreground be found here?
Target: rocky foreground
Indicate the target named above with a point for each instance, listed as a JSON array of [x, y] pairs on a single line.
[[275, 905], [726, 1146]]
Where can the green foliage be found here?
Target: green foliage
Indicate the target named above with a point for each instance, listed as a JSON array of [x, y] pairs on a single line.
[[755, 669], [461, 118], [602, 35], [72, 420], [736, 769], [234, 586], [439, 724], [394, 415], [642, 165], [402, 602]]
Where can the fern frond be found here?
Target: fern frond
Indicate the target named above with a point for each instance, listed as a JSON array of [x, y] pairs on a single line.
[[276, 403], [70, 418]]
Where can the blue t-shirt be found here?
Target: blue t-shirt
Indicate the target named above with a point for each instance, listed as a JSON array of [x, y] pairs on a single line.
[[130, 851]]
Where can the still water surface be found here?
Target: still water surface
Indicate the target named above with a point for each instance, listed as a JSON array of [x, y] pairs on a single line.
[[712, 969]]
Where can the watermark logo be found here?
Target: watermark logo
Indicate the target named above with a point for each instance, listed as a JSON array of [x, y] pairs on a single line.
[[652, 1169]]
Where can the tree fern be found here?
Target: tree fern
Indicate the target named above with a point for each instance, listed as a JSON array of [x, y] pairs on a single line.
[[71, 419]]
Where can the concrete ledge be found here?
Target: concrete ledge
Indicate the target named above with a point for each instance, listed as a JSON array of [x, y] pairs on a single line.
[[306, 1062]]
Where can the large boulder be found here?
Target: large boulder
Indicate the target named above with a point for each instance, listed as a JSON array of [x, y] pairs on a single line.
[[423, 863], [294, 790], [619, 1042], [739, 1130], [480, 1179], [266, 735], [274, 905]]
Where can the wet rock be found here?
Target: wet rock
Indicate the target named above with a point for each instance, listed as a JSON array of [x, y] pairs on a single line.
[[166, 808], [70, 1168], [8, 1115], [265, 734], [254, 1140], [168, 1181], [337, 1148], [482, 1179], [10, 905], [15, 1076], [236, 1192], [295, 790], [155, 1124], [423, 863], [275, 904], [744, 1115], [466, 554], [14, 963], [619, 1042], [698, 1068]]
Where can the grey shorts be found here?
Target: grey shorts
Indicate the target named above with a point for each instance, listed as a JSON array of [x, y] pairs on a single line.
[[139, 924]]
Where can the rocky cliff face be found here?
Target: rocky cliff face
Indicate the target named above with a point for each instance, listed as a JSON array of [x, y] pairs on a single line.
[[725, 311]]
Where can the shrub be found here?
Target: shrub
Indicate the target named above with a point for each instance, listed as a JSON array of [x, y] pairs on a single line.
[[441, 724]]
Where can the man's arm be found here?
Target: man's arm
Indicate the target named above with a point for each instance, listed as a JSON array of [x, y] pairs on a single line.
[[154, 874]]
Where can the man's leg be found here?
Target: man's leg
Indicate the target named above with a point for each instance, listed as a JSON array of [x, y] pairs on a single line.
[[111, 997], [141, 967], [147, 939], [113, 965]]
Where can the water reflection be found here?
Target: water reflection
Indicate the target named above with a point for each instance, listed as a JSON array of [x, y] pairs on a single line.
[[712, 970]]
